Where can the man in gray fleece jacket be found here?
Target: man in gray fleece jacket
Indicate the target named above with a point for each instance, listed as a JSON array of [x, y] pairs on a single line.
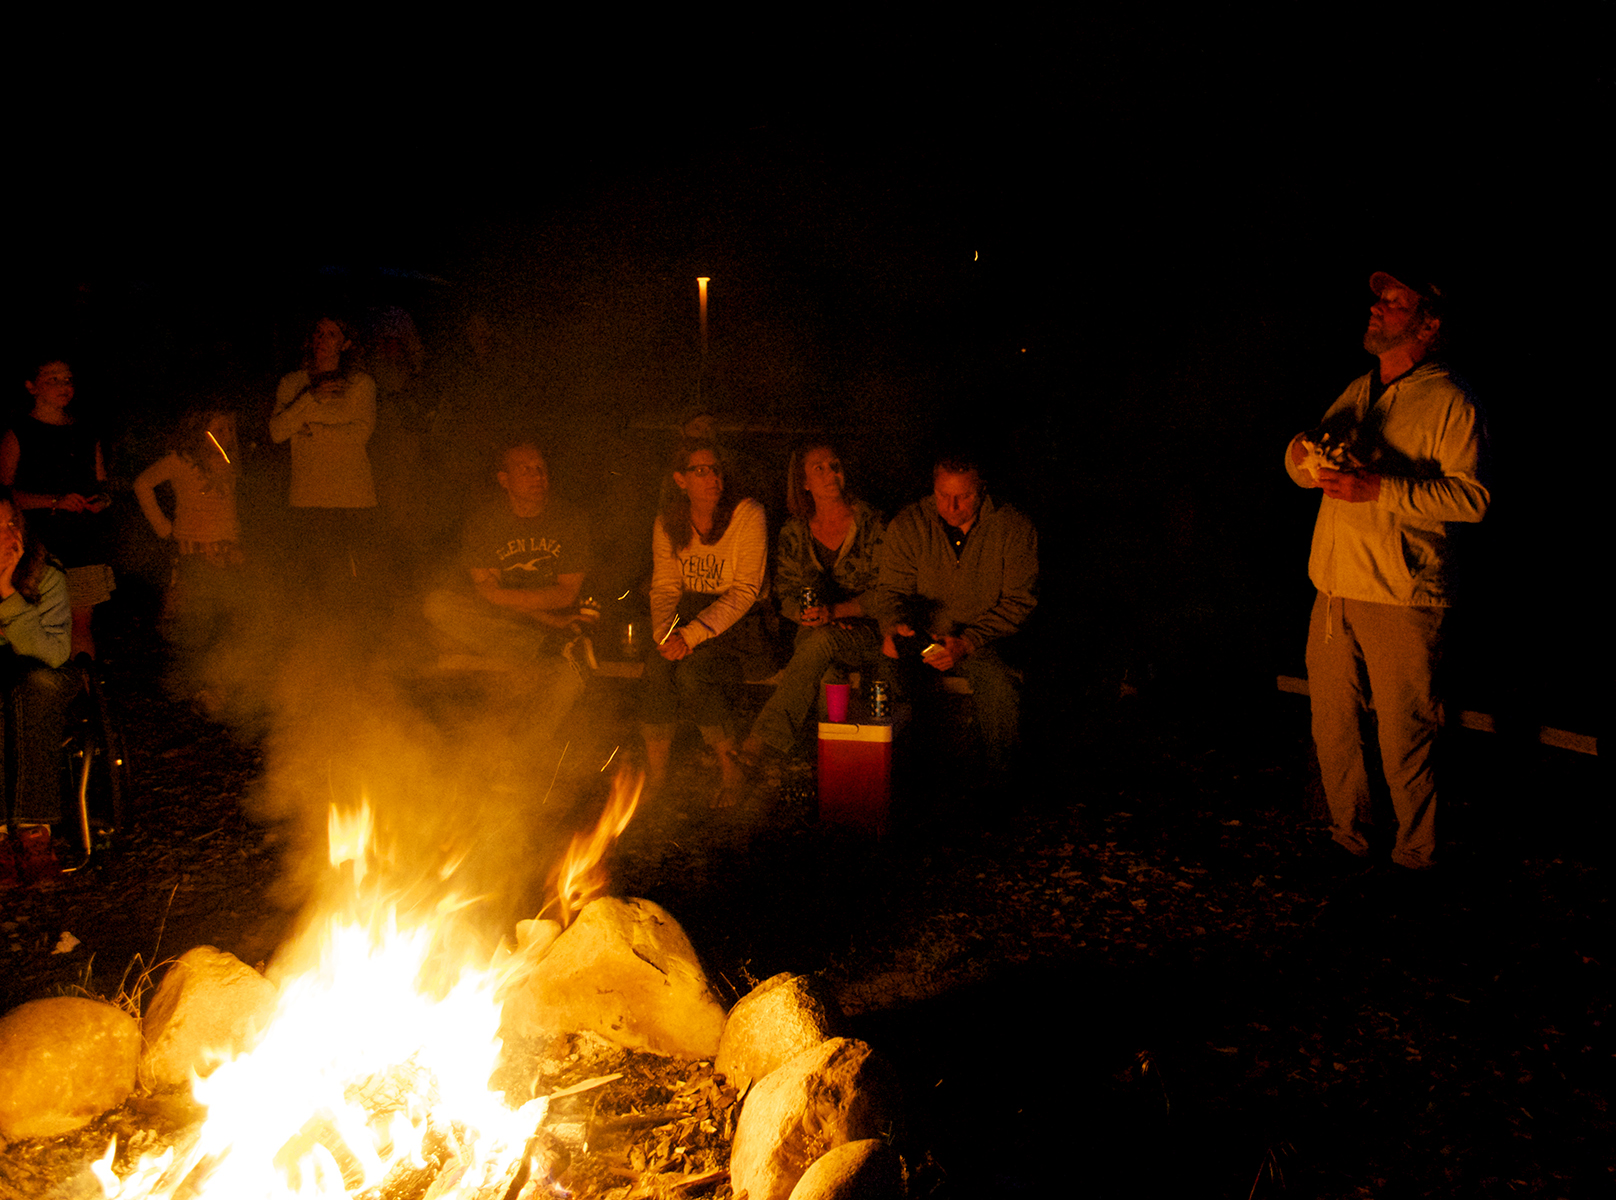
[[960, 572]]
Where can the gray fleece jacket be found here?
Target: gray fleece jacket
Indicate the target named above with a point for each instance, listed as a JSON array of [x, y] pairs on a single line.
[[987, 594]]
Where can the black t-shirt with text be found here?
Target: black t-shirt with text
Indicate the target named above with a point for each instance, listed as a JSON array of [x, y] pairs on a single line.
[[528, 552]]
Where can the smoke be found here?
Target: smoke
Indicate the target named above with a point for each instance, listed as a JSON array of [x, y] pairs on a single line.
[[581, 328], [341, 685]]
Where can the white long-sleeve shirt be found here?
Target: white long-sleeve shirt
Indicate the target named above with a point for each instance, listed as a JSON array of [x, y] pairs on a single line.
[[732, 567], [330, 468]]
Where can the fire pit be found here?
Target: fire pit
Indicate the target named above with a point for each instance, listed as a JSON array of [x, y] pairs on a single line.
[[617, 1123], [390, 1064]]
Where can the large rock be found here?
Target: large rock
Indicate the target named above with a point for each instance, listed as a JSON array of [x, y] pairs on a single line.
[[777, 1020], [863, 1170], [625, 970], [64, 1062], [208, 1009], [836, 1092]]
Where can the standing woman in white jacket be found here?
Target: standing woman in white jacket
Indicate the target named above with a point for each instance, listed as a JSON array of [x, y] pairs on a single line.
[[709, 551], [327, 409]]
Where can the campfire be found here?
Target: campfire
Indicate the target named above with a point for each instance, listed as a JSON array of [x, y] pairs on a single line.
[[373, 1076], [383, 1059]]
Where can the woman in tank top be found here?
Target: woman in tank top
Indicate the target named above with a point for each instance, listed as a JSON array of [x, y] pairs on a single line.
[[54, 466]]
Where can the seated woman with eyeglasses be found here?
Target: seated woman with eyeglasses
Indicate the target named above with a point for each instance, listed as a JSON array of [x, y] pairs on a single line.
[[709, 551]]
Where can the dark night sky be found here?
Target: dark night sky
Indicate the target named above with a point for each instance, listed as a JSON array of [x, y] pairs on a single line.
[[1130, 257]]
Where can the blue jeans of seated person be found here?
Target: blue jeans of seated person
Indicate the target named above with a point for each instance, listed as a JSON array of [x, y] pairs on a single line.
[[994, 688], [780, 724], [478, 627], [37, 698], [697, 687]]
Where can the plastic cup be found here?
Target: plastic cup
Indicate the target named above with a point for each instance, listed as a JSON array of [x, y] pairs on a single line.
[[836, 702]]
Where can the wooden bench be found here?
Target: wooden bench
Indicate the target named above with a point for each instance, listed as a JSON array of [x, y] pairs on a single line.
[[1484, 722]]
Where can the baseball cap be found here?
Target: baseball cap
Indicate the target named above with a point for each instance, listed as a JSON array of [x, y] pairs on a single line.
[[1434, 292]]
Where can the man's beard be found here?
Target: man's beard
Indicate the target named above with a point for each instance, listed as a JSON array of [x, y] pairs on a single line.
[[1377, 341]]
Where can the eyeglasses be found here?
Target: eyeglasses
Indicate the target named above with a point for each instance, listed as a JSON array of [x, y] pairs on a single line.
[[702, 471]]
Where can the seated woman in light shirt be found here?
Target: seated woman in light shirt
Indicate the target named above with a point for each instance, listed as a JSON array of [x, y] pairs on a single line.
[[709, 551]]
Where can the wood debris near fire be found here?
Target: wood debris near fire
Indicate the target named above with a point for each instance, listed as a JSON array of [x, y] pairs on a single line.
[[655, 1127], [620, 1126]]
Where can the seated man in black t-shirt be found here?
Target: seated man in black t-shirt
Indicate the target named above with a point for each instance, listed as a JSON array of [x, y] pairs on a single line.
[[525, 557]]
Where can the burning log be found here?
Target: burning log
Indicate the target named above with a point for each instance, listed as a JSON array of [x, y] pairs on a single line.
[[311, 1156], [653, 1184]]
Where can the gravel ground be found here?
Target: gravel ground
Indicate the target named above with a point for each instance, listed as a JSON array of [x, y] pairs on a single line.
[[1130, 975]]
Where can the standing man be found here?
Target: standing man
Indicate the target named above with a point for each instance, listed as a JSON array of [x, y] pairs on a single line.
[[1399, 459], [525, 556], [962, 570]]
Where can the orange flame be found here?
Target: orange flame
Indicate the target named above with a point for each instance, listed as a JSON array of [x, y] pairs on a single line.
[[348, 835], [375, 1068], [581, 876]]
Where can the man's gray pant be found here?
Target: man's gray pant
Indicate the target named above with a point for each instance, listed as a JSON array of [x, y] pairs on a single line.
[[1370, 667], [996, 690]]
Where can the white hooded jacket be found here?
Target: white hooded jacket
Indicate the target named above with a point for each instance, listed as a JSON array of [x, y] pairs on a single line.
[[1425, 437]]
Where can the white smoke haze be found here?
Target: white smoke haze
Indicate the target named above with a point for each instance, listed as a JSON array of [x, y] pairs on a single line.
[[599, 359], [343, 694]]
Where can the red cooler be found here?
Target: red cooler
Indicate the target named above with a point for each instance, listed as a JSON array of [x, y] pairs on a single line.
[[855, 775]]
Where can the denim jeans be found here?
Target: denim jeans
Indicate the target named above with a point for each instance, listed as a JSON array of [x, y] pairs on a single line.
[[37, 700], [995, 689], [858, 648]]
